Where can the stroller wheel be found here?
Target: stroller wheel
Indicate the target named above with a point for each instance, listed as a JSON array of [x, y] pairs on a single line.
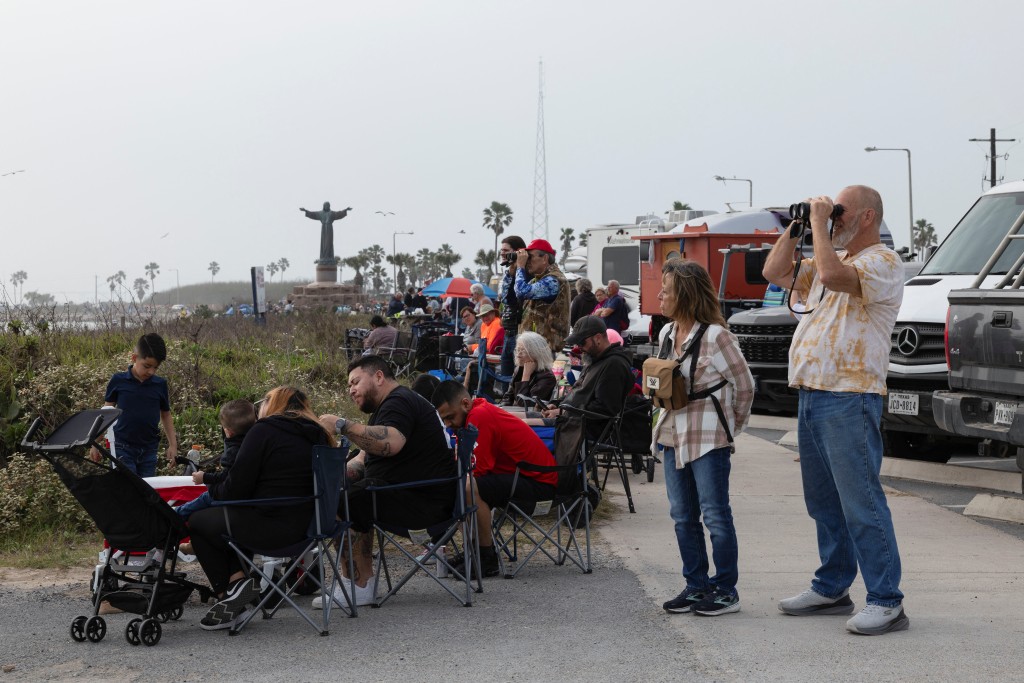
[[163, 617], [650, 469], [131, 632], [637, 463], [95, 629], [176, 612], [78, 629], [149, 632]]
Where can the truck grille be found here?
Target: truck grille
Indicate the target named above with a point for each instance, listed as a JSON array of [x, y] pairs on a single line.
[[919, 344], [763, 348], [761, 330]]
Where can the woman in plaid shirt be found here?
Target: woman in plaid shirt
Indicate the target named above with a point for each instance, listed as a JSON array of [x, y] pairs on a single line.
[[697, 444]]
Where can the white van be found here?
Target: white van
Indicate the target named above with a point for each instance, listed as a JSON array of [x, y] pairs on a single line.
[[917, 360]]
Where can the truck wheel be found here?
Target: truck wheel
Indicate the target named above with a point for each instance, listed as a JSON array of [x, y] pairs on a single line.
[[913, 447], [1020, 459]]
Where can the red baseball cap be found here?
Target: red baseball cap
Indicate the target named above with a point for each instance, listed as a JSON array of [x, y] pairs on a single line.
[[540, 245]]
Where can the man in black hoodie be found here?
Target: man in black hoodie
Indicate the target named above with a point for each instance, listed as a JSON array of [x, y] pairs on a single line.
[[605, 383]]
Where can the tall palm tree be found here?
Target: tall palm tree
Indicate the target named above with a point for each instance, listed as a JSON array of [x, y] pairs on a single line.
[[681, 206], [566, 238], [115, 281], [378, 273], [427, 265], [283, 264], [356, 263], [446, 258], [497, 217], [18, 280], [375, 254], [214, 268], [272, 268], [924, 235], [140, 286], [468, 273], [152, 270], [485, 258]]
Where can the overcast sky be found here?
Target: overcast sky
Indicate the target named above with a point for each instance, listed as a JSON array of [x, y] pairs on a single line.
[[188, 132]]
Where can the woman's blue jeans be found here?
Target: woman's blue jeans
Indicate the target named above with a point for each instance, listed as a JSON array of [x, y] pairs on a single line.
[[840, 458], [701, 488]]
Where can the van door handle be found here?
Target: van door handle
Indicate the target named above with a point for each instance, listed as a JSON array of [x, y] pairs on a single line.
[[1002, 318]]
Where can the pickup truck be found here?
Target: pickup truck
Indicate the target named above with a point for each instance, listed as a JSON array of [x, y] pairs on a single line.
[[985, 353]]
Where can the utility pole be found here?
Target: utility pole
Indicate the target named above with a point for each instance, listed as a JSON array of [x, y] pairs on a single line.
[[539, 223], [992, 139]]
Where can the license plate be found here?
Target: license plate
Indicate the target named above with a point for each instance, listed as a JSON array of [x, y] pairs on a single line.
[[902, 404], [1004, 413]]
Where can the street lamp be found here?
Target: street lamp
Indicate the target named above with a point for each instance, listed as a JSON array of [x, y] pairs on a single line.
[[910, 183], [745, 180], [394, 264], [177, 286]]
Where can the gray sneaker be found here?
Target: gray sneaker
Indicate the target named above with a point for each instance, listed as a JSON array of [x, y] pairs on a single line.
[[874, 620], [812, 602]]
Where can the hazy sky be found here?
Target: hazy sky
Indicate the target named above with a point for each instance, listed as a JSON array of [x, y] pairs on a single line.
[[213, 122]]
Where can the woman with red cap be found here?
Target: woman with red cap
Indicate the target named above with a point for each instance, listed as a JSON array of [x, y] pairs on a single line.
[[544, 292]]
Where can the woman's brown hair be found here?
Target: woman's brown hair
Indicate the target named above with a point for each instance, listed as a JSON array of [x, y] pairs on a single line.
[[292, 402], [695, 296]]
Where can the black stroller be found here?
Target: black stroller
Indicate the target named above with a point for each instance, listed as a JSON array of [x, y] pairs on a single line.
[[142, 579]]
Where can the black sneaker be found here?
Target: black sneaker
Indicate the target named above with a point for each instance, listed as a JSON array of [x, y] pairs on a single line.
[[717, 602], [237, 599], [684, 602], [489, 565]]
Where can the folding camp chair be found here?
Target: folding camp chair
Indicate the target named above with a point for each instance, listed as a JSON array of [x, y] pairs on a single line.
[[559, 528], [329, 483], [402, 355], [435, 536], [629, 432], [485, 372]]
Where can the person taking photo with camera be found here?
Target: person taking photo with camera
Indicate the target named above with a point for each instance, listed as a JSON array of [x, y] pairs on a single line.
[[838, 360]]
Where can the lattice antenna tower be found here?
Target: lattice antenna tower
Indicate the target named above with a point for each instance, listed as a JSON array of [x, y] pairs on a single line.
[[539, 227]]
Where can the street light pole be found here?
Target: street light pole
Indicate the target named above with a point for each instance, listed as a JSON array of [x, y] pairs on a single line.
[[177, 286], [750, 199], [910, 184], [394, 265]]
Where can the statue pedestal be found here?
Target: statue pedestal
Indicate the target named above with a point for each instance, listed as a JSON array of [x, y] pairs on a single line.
[[326, 273]]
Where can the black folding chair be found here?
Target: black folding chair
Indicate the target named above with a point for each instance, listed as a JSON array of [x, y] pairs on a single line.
[[558, 528], [329, 484], [435, 536]]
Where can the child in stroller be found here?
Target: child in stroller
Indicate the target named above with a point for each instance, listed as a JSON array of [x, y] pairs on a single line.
[[132, 517]]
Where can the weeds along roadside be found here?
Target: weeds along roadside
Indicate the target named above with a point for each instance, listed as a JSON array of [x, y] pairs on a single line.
[[57, 370]]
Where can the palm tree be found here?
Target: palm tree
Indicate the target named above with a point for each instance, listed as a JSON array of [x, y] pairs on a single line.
[[214, 268], [566, 238], [140, 286], [924, 235], [446, 258], [272, 268], [485, 259], [681, 206], [283, 264], [378, 273], [18, 280], [115, 281], [406, 264], [152, 270], [375, 254], [583, 239], [468, 274], [355, 263], [497, 217]]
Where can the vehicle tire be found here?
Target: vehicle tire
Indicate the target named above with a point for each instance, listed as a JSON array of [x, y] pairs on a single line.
[[650, 469], [149, 632], [95, 629], [911, 446], [131, 632], [78, 629], [638, 463]]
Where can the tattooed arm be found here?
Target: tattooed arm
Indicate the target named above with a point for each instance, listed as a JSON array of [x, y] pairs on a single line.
[[377, 440]]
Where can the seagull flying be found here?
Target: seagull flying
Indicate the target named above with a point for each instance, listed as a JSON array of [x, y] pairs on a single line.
[[385, 213], [164, 235]]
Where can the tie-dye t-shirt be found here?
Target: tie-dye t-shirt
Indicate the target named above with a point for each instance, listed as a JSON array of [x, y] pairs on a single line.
[[844, 344]]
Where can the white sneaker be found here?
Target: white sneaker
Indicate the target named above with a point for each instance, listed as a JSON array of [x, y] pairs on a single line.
[[812, 602], [364, 595], [874, 620]]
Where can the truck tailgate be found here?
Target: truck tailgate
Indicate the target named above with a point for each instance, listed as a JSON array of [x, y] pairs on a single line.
[[986, 340]]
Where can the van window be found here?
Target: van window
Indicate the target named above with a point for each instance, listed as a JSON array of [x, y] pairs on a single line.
[[976, 237], [622, 264]]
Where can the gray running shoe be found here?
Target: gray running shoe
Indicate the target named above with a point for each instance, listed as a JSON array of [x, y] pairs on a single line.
[[874, 620], [812, 602]]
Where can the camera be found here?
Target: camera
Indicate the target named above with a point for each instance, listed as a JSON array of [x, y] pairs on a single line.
[[507, 260]]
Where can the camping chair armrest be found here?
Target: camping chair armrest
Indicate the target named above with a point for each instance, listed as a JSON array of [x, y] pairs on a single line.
[[523, 466], [589, 414], [264, 502], [413, 484]]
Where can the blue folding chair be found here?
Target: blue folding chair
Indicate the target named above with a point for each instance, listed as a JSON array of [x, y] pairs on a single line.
[[484, 372], [435, 536], [329, 489]]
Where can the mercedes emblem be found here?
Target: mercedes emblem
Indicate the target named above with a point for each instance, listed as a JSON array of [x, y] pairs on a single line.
[[907, 341]]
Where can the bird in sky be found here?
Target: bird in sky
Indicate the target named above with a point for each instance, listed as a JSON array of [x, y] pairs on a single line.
[[385, 213], [164, 235], [462, 232], [12, 172]]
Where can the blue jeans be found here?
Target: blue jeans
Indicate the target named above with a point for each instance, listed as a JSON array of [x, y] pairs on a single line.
[[200, 502], [508, 354], [702, 488], [840, 458], [139, 459]]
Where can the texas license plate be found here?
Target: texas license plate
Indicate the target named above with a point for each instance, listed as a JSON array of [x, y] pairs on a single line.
[[1004, 413], [902, 404]]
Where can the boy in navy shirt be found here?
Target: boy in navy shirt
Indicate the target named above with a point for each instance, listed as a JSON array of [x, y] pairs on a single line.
[[145, 405]]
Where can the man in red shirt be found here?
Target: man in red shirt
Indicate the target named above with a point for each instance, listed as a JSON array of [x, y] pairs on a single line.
[[502, 440]]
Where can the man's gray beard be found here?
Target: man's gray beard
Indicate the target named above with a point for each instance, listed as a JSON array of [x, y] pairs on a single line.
[[843, 238]]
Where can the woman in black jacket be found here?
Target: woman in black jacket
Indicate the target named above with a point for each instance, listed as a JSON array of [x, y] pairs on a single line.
[[275, 461]]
